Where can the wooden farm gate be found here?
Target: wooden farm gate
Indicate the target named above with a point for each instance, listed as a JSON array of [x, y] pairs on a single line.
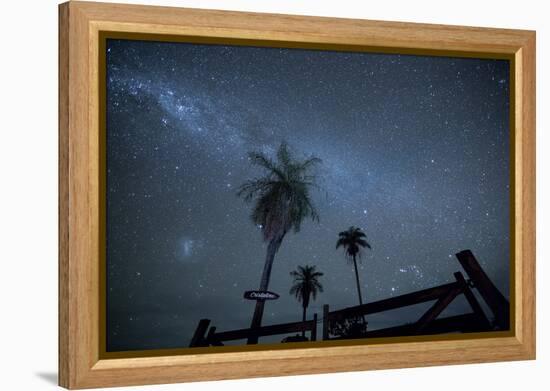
[[427, 324]]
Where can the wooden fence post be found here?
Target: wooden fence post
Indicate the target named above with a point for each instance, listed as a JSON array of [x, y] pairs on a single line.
[[198, 336], [492, 296], [325, 322], [314, 329], [482, 319], [211, 339]]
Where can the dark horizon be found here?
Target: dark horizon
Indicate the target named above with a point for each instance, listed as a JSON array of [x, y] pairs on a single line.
[[414, 150]]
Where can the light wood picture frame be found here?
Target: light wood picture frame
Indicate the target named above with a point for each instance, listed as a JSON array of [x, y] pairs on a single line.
[[83, 362]]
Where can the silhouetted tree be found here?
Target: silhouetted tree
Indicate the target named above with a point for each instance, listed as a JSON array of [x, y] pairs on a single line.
[[306, 285], [281, 203], [353, 240]]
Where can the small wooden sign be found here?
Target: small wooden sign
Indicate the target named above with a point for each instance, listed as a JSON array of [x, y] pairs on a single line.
[[260, 295]]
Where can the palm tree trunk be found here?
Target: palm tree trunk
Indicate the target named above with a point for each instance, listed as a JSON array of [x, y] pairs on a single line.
[[272, 248], [357, 281], [358, 285], [304, 319]]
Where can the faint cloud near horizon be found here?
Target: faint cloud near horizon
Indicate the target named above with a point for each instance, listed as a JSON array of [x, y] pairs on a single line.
[[187, 247]]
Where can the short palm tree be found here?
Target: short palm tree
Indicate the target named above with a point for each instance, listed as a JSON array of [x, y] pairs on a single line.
[[305, 285], [282, 202], [353, 240]]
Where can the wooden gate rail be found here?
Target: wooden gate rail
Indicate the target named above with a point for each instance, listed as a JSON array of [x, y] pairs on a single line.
[[217, 338], [463, 323], [394, 302]]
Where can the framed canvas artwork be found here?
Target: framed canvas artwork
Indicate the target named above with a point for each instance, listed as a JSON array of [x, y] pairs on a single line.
[[284, 191]]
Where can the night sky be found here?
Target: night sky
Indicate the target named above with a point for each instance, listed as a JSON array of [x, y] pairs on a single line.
[[414, 149]]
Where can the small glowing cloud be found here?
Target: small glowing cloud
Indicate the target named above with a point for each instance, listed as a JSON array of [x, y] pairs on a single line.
[[187, 247]]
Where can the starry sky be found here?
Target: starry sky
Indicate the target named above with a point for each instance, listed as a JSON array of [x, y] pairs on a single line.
[[414, 149]]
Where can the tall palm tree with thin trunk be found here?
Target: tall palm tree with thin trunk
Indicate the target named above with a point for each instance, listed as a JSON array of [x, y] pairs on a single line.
[[305, 286], [353, 240], [282, 201]]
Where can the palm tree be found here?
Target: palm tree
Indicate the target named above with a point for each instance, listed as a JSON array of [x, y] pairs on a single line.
[[306, 284], [353, 240], [281, 203]]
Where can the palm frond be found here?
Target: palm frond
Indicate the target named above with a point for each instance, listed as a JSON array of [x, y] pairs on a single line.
[[352, 240], [363, 243], [306, 283], [259, 159], [283, 155], [249, 189], [309, 163], [341, 242]]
